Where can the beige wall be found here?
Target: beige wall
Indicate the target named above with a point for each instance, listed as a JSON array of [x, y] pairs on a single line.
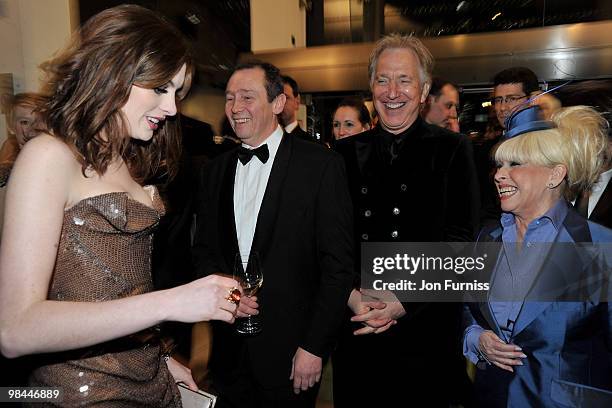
[[31, 32], [45, 29], [273, 22]]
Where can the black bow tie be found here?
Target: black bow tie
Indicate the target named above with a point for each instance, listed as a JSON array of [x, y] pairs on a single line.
[[245, 155]]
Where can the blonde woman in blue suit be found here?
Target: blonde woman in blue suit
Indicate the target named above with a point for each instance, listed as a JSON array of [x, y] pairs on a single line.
[[537, 347]]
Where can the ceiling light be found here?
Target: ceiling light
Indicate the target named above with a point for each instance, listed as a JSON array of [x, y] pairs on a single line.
[[495, 16]]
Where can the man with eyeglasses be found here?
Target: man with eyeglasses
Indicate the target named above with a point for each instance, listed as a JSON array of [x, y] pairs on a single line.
[[512, 87]]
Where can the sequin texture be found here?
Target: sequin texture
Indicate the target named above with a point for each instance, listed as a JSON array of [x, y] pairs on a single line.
[[104, 254]]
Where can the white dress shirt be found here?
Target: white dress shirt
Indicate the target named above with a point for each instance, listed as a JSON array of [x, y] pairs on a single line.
[[249, 189], [289, 128], [598, 189]]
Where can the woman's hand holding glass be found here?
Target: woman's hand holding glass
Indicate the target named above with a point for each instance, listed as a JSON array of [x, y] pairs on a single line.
[[203, 299]]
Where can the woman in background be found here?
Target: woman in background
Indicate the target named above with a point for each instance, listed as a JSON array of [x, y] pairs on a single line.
[[23, 123], [351, 117], [75, 260]]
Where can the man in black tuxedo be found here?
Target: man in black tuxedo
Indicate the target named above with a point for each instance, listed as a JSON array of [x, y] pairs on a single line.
[[288, 117], [288, 200], [596, 205], [410, 182]]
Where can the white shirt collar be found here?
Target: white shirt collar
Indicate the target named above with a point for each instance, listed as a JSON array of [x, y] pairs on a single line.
[[290, 127], [602, 182], [273, 142]]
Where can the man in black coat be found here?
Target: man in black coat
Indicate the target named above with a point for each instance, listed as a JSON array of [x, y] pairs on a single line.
[[288, 200], [288, 117], [410, 181]]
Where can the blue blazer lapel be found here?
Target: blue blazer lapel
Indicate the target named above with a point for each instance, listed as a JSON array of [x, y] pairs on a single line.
[[270, 206], [487, 314], [563, 264], [577, 226], [227, 224], [491, 236]]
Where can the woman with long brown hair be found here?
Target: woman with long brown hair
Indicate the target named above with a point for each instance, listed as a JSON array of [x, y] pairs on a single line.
[[75, 261]]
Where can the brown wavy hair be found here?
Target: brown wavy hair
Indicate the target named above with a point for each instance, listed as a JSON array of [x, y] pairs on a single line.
[[89, 82]]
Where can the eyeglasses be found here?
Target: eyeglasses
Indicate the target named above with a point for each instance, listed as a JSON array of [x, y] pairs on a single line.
[[509, 99]]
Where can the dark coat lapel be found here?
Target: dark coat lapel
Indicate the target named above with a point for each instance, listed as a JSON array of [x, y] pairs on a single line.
[[270, 206], [602, 213], [363, 152], [227, 222]]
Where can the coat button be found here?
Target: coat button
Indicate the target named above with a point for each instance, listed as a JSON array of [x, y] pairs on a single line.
[[396, 211], [364, 237], [364, 190], [394, 234], [367, 213], [404, 187]]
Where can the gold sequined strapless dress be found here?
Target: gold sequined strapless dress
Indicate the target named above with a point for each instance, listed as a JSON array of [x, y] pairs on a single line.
[[104, 254]]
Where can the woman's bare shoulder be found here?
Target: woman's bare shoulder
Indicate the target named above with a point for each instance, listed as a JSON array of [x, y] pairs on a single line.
[[48, 150]]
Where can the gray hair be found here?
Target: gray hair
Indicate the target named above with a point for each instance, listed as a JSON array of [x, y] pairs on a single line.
[[400, 41]]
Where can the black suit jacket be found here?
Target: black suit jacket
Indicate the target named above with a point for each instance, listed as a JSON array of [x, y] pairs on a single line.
[[304, 239], [429, 193], [298, 132], [602, 213]]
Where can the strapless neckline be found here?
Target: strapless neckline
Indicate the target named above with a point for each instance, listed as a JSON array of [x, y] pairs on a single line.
[[153, 192]]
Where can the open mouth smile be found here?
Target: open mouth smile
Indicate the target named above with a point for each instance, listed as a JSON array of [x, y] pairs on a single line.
[[506, 192]]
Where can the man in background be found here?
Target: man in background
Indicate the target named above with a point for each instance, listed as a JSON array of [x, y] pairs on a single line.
[[288, 116], [511, 88], [442, 105]]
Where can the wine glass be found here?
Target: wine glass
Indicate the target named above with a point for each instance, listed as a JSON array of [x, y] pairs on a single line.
[[247, 271]]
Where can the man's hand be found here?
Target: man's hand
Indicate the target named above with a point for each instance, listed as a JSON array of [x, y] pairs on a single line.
[[376, 315], [248, 306], [305, 370]]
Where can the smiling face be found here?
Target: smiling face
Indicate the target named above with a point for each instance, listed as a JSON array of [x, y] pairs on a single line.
[[146, 109], [525, 189], [397, 89], [442, 109], [252, 117], [346, 122]]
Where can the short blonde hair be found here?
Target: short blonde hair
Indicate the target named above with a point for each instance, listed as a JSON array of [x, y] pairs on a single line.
[[578, 142], [401, 41]]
